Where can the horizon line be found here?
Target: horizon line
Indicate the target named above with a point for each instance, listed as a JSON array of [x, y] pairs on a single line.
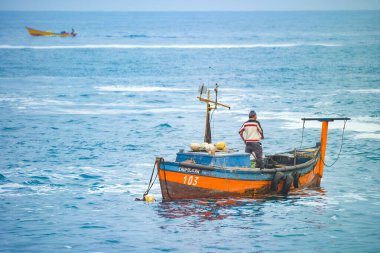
[[163, 11]]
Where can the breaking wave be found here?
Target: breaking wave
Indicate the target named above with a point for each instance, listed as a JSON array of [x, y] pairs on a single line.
[[189, 46], [365, 127], [365, 91], [137, 88], [121, 111], [367, 136]]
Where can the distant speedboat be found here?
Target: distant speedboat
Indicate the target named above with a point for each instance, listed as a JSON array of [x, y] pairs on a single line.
[[35, 32]]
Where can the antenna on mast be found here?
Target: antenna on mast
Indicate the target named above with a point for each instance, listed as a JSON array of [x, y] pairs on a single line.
[[210, 105]]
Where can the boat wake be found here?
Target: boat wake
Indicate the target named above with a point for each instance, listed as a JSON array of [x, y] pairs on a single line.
[[172, 46]]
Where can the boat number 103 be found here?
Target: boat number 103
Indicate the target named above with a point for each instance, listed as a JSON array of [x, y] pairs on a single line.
[[190, 180]]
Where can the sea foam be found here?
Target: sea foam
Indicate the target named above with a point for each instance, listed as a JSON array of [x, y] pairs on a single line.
[[137, 88], [365, 91], [171, 46]]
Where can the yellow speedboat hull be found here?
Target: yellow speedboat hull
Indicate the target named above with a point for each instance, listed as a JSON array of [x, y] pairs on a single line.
[[35, 32]]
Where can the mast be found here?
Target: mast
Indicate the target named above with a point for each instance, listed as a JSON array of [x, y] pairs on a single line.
[[324, 135], [210, 105]]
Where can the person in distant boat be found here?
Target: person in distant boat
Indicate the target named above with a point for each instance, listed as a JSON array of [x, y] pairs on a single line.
[[72, 31], [251, 133]]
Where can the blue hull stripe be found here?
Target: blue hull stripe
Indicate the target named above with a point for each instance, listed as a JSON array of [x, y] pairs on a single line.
[[228, 174]]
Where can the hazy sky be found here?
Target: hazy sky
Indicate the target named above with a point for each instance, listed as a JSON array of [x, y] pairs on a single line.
[[187, 5]]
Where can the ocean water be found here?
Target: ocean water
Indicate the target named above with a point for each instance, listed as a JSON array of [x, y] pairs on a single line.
[[82, 120]]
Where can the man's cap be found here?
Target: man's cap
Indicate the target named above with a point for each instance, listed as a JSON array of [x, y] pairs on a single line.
[[252, 113]]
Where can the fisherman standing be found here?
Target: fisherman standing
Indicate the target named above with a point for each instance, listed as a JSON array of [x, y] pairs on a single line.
[[251, 133]]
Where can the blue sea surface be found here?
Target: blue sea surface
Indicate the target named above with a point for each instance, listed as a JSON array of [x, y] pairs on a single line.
[[82, 120]]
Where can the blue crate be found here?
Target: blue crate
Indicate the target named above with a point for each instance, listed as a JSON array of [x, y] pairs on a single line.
[[219, 159]]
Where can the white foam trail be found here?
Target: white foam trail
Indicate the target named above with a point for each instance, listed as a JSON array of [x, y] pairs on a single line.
[[143, 165], [323, 44], [137, 88], [287, 116], [367, 136], [14, 189], [174, 46], [8, 187], [366, 91], [360, 124], [118, 188], [24, 103], [352, 197], [120, 111], [34, 102]]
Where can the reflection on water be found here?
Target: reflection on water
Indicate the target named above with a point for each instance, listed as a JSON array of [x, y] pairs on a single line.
[[218, 209]]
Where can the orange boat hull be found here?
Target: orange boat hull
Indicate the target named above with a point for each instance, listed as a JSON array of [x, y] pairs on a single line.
[[194, 185]]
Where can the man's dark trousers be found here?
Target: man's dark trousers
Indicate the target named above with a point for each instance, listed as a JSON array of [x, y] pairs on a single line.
[[256, 148]]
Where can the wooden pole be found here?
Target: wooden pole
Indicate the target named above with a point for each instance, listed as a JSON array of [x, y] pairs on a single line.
[[207, 138], [213, 102]]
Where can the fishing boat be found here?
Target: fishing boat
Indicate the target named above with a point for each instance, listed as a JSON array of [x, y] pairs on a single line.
[[226, 173], [35, 32]]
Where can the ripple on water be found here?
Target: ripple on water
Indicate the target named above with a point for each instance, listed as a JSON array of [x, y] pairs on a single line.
[[131, 147], [89, 176], [3, 179], [43, 178], [33, 182], [92, 226], [163, 126], [112, 241]]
